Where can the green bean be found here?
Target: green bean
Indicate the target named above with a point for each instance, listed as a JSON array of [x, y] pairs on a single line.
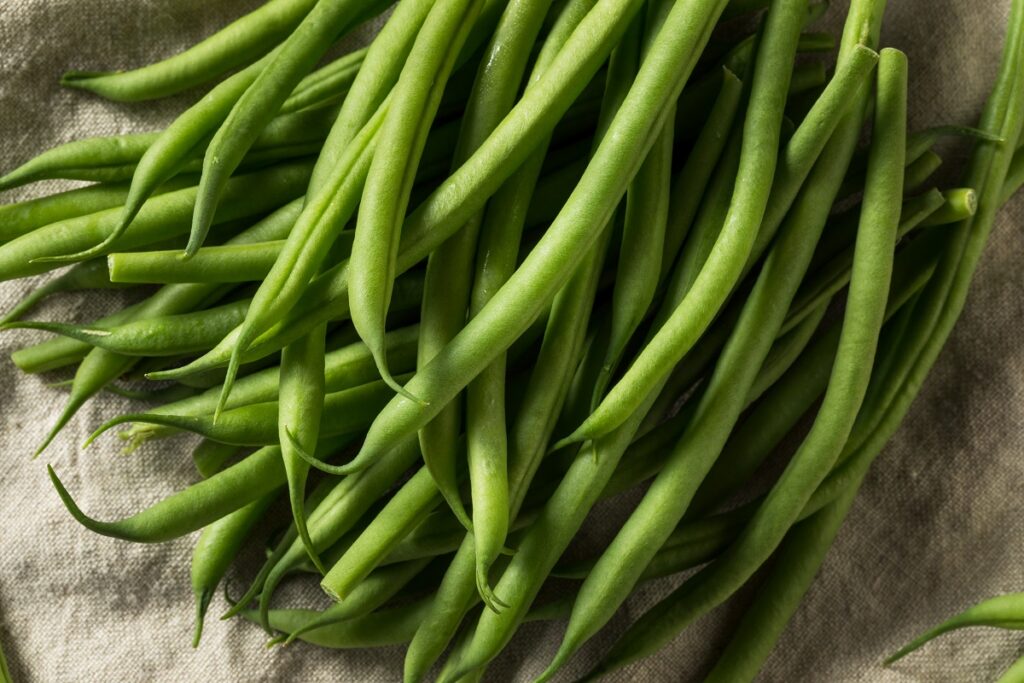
[[61, 352], [225, 263], [370, 594], [194, 507], [718, 276], [807, 78], [1004, 611], [960, 204], [325, 84], [247, 195], [255, 424], [846, 390], [416, 498], [690, 183], [643, 235], [217, 547], [301, 402], [391, 626], [448, 290], [22, 217], [794, 568], [388, 185], [86, 275], [261, 101], [209, 456], [918, 172], [172, 335], [238, 43], [332, 518]]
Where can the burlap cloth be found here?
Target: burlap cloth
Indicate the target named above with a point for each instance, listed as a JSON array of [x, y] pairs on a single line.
[[937, 526]]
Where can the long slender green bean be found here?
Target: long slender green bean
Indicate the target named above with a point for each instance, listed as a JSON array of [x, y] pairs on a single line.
[[236, 44]]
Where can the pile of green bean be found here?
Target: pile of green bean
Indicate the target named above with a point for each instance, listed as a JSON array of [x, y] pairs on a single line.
[[429, 302]]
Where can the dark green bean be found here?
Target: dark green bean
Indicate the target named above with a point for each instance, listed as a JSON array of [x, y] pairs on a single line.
[[392, 626]]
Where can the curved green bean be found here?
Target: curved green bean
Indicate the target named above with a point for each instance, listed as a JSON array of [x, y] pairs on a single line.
[[236, 44], [345, 412]]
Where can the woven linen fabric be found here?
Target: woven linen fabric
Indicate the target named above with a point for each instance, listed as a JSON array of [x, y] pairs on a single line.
[[937, 526]]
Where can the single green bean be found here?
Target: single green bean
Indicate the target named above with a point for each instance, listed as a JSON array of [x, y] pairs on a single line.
[[1005, 611], [238, 43], [22, 217], [345, 412], [157, 336], [301, 402], [194, 507], [392, 626]]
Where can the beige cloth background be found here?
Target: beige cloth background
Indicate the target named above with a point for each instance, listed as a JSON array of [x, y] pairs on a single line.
[[938, 525]]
